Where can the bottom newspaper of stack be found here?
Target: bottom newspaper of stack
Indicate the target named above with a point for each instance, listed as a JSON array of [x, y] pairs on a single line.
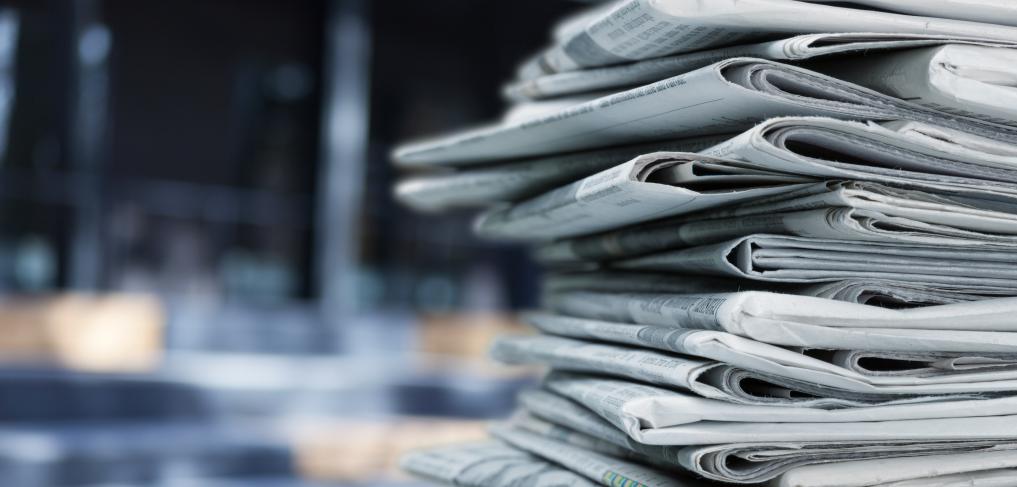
[[669, 389]]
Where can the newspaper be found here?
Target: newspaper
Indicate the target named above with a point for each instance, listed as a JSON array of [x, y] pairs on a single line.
[[809, 322], [629, 193], [797, 48], [725, 97], [971, 81], [641, 29], [962, 181], [861, 291], [600, 468], [655, 416], [865, 372], [1002, 12], [488, 464], [780, 258], [1002, 477], [760, 384], [513, 181], [961, 469], [708, 379], [835, 149], [733, 462], [831, 210]]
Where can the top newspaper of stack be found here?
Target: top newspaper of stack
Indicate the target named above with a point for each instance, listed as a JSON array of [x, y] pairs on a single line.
[[633, 30], [721, 93]]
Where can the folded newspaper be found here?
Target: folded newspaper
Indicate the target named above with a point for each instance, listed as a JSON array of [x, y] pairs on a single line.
[[888, 294], [861, 371], [632, 30], [552, 415], [724, 97], [954, 173], [809, 322], [856, 211], [514, 181], [657, 416], [793, 49], [779, 258]]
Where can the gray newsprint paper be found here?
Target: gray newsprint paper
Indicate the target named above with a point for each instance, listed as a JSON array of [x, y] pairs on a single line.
[[653, 186], [970, 81], [759, 384], [841, 372], [513, 181], [857, 211], [603, 469], [894, 294], [797, 48], [655, 416], [552, 415], [809, 322], [725, 97], [633, 30], [961, 186], [488, 464], [780, 258], [894, 153]]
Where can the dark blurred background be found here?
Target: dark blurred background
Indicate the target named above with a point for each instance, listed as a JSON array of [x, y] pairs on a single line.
[[204, 278]]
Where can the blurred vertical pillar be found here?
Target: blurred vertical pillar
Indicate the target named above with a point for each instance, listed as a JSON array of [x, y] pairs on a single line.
[[344, 133], [85, 147]]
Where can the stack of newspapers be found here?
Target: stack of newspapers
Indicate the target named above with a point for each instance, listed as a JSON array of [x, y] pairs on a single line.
[[781, 241]]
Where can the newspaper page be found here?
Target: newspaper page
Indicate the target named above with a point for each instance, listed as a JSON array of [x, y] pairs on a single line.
[[888, 294], [970, 81], [731, 462], [809, 322], [1002, 12], [724, 382], [642, 29], [725, 97], [797, 48], [488, 464], [899, 472], [656, 416], [831, 210], [514, 181], [903, 373], [628, 193], [835, 149], [780, 258], [1003, 477], [600, 468]]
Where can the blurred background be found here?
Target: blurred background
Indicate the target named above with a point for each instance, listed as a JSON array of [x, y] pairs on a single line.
[[204, 279]]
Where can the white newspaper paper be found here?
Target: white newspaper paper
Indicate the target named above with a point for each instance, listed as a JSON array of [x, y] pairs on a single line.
[[630, 193], [809, 322], [488, 464], [798, 48], [513, 181], [725, 97], [865, 372], [970, 81], [779, 258], [708, 379], [608, 471], [551, 415], [835, 149], [641, 29], [655, 416], [832, 210], [961, 469], [866, 291], [1003, 12]]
